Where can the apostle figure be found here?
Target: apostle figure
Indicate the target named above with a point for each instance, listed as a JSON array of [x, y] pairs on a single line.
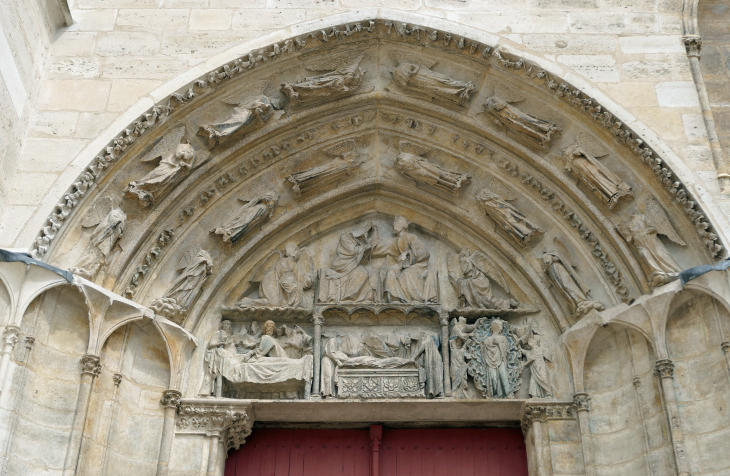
[[511, 220], [344, 77], [407, 277], [426, 354], [186, 288], [470, 274], [410, 164], [643, 232], [495, 352], [536, 359], [349, 280], [536, 130], [595, 175], [268, 346], [249, 215], [282, 279], [421, 79], [559, 268], [215, 354], [107, 233], [460, 332]]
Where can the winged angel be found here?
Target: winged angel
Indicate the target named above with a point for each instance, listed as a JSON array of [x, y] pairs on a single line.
[[411, 163], [556, 263], [282, 279], [470, 274], [253, 212], [176, 154], [643, 232], [415, 74], [494, 200], [195, 266], [251, 110], [110, 222], [344, 76]]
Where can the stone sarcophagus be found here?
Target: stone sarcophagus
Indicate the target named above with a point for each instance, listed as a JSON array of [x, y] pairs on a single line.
[[379, 383]]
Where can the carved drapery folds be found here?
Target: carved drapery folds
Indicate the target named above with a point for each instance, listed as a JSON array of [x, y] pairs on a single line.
[[254, 211], [411, 164], [344, 159], [414, 74], [495, 202], [604, 183], [344, 76], [110, 223], [526, 126]]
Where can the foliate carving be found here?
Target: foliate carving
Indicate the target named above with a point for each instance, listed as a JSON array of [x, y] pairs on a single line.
[[110, 224], [604, 183], [253, 212], [411, 164], [344, 77], [559, 268], [494, 358], [665, 367], [642, 231], [176, 156], [581, 400], [251, 111], [345, 158], [378, 383], [282, 279], [233, 423], [91, 364], [725, 347], [29, 342], [170, 398], [117, 379], [11, 334], [416, 76], [693, 45], [527, 126], [543, 412], [195, 266], [495, 202]]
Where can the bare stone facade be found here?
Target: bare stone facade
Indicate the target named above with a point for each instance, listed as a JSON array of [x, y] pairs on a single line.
[[439, 213]]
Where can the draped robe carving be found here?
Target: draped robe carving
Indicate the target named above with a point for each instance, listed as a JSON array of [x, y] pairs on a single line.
[[422, 80], [186, 288], [105, 236], [536, 130], [595, 175], [249, 215]]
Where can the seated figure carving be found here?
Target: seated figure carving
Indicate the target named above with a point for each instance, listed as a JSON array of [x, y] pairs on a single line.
[[470, 273]]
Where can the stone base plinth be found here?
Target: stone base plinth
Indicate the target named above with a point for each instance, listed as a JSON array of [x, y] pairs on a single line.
[[379, 383]]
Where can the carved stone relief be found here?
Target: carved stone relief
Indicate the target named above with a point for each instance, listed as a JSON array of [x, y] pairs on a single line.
[[344, 76], [495, 199], [110, 223], [537, 131], [254, 211], [604, 183], [345, 158], [414, 74], [411, 164]]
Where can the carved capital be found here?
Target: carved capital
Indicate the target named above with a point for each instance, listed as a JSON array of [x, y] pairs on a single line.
[[317, 319], [531, 413], [376, 437], [548, 411], [170, 397], [117, 378], [581, 400], [11, 335], [665, 367], [91, 364], [444, 318], [693, 45], [637, 382], [725, 347], [234, 425], [29, 341]]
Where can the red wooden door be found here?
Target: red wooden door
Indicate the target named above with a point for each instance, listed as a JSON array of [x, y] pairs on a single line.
[[442, 452]]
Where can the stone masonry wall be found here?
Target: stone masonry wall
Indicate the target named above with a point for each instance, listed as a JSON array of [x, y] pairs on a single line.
[[119, 51]]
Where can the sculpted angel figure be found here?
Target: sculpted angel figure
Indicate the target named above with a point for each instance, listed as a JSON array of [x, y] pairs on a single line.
[[536, 359], [251, 110], [595, 175], [494, 201], [643, 232], [560, 270], [282, 279], [345, 158], [249, 215], [536, 130], [415, 74], [348, 280], [411, 164], [470, 274], [196, 266], [460, 332], [177, 155], [344, 77], [110, 223], [407, 277]]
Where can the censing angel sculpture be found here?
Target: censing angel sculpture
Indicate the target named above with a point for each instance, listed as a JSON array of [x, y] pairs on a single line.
[[177, 157], [414, 74], [344, 76], [251, 110], [560, 269], [643, 232], [411, 163], [494, 200], [345, 158], [471, 274], [110, 222], [253, 212], [195, 266], [282, 279], [581, 161]]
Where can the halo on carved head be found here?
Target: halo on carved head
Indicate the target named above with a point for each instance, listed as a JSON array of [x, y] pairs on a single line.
[[400, 223]]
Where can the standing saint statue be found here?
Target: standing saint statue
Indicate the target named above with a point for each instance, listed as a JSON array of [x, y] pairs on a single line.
[[495, 352], [407, 277], [460, 332], [410, 163], [344, 77], [249, 215], [536, 359], [110, 224], [416, 75], [187, 287], [511, 220], [536, 130], [560, 269], [643, 232], [215, 353], [595, 175]]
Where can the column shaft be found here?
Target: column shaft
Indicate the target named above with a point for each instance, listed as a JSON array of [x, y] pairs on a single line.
[[317, 320], [665, 368], [213, 457], [444, 321], [581, 403], [91, 367], [171, 400]]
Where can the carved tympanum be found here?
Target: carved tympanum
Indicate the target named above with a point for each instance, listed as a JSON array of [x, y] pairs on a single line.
[[344, 76], [345, 158], [411, 164], [560, 270], [195, 267], [253, 212], [177, 157], [527, 126], [604, 183], [110, 223], [414, 74], [642, 231], [495, 202]]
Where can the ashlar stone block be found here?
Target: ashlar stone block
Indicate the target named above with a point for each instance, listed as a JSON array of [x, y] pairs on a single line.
[[677, 94], [599, 68]]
